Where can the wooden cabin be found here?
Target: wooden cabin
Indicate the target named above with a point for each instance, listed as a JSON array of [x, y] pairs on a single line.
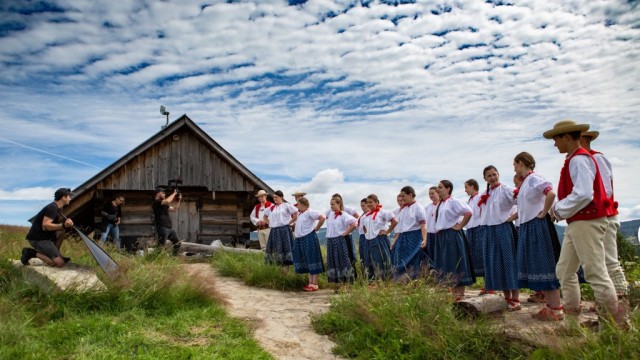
[[217, 190]]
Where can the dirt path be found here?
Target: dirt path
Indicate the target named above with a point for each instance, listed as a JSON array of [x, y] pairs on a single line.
[[281, 320]]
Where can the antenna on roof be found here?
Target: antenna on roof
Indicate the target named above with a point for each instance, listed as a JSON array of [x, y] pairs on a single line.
[[164, 112]]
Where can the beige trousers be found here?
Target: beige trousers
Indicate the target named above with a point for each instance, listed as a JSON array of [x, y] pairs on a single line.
[[584, 244], [616, 273], [263, 236]]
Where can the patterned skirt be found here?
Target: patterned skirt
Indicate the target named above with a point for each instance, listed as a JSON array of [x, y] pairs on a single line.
[[339, 267], [429, 251], [407, 255], [362, 246], [500, 265], [452, 263], [377, 258], [537, 256], [278, 250], [476, 246], [306, 254]]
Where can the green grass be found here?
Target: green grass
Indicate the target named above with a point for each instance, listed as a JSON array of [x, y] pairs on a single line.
[[149, 313], [254, 271]]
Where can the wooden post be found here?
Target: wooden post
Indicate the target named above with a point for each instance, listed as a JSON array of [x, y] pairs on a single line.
[[485, 304]]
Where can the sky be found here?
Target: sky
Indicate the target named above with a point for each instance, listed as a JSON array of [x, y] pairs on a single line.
[[354, 97]]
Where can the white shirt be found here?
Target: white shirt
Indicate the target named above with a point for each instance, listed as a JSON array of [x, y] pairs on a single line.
[[498, 207], [306, 222], [605, 173], [475, 210], [531, 197], [254, 219], [336, 226], [410, 218], [280, 215], [583, 173], [383, 218], [349, 210], [449, 213], [430, 213], [360, 221]]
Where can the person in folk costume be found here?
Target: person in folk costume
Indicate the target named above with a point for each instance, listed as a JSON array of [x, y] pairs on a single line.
[[430, 212], [297, 195], [279, 218], [339, 225], [452, 261], [616, 273], [257, 218], [396, 213], [498, 232], [538, 244], [583, 202], [475, 241], [378, 224], [306, 247], [411, 237], [350, 242], [362, 243]]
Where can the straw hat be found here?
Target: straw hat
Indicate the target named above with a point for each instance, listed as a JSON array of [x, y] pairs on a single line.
[[261, 193], [563, 127], [299, 193], [592, 134]]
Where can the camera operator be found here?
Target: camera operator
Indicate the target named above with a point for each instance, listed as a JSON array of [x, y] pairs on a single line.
[[161, 208], [43, 233], [111, 214]]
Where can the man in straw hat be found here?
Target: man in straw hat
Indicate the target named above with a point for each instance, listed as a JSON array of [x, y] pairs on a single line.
[[257, 218], [297, 195], [610, 247], [584, 204]]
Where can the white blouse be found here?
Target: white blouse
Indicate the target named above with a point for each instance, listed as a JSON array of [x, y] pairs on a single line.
[[430, 212], [280, 215], [449, 213], [531, 197], [306, 222], [381, 222], [498, 207], [605, 172], [336, 226], [410, 218], [475, 209]]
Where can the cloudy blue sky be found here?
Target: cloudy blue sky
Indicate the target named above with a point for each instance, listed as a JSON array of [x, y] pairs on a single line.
[[324, 96]]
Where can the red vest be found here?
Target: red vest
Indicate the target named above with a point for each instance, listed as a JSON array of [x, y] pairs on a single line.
[[600, 206], [257, 208], [612, 199]]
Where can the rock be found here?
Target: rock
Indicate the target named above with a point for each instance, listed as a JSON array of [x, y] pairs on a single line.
[[70, 277]]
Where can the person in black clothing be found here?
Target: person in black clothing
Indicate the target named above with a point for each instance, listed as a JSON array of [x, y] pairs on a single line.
[[111, 214], [161, 208], [42, 235]]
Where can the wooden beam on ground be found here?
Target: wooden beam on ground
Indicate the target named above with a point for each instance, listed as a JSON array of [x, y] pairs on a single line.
[[216, 246]]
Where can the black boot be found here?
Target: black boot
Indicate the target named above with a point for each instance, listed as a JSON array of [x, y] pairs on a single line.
[[27, 254]]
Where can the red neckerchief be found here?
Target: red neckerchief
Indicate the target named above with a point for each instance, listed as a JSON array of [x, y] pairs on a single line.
[[375, 211], [517, 189], [471, 198], [407, 205], [337, 213], [296, 204], [274, 206], [440, 203], [485, 196], [266, 205]]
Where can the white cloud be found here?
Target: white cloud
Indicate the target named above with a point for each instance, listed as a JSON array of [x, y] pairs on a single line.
[[35, 193]]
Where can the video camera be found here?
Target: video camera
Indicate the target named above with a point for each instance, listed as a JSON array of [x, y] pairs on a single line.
[[174, 184]]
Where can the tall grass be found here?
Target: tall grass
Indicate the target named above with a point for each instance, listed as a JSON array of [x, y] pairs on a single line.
[[150, 312], [254, 271]]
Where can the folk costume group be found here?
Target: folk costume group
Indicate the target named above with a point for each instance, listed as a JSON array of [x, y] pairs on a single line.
[[504, 234]]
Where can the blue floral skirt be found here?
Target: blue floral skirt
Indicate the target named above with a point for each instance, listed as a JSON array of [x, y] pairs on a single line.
[[407, 255], [476, 246], [339, 267], [307, 255], [377, 258], [452, 261], [500, 265], [536, 256], [278, 249]]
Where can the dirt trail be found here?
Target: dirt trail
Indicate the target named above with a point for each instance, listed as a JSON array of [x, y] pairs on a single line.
[[281, 320]]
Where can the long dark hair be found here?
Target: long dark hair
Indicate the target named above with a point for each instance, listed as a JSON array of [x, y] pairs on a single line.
[[447, 185]]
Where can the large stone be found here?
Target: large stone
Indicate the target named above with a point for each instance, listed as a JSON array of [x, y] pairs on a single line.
[[71, 277]]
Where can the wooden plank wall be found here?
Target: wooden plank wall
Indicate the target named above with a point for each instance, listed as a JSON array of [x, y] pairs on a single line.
[[180, 154], [200, 218]]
